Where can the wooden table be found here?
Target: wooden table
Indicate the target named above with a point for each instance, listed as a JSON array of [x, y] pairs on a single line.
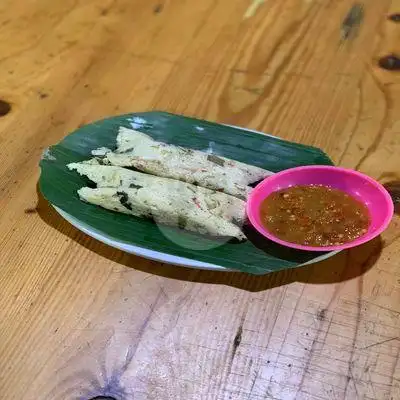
[[80, 319]]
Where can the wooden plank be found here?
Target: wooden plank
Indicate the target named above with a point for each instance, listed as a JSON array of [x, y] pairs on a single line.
[[79, 319]]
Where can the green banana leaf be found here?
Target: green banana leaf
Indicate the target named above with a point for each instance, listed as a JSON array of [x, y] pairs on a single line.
[[256, 255]]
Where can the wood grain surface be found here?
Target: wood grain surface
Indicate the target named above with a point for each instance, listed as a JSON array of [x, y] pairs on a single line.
[[79, 319]]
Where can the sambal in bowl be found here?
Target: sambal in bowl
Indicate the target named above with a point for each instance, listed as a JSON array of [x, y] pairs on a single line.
[[320, 208]]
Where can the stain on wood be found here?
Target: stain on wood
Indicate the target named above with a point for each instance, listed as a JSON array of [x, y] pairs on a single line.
[[237, 340], [321, 314], [103, 398], [5, 108], [30, 210], [394, 17], [43, 95], [158, 8], [390, 62], [351, 23]]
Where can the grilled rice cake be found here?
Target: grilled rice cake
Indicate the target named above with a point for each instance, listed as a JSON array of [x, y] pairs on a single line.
[[138, 150], [166, 200]]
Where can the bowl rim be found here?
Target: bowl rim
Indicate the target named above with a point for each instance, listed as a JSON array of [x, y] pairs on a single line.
[[361, 240]]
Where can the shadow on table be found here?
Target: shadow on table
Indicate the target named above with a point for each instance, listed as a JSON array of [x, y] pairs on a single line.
[[344, 266]]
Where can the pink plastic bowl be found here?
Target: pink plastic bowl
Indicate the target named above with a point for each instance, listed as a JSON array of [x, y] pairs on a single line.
[[360, 186]]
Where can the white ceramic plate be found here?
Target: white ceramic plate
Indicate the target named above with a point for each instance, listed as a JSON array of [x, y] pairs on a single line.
[[153, 254], [158, 256]]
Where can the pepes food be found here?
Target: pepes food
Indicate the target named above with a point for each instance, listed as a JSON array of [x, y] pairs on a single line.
[[314, 215], [167, 201], [138, 150]]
